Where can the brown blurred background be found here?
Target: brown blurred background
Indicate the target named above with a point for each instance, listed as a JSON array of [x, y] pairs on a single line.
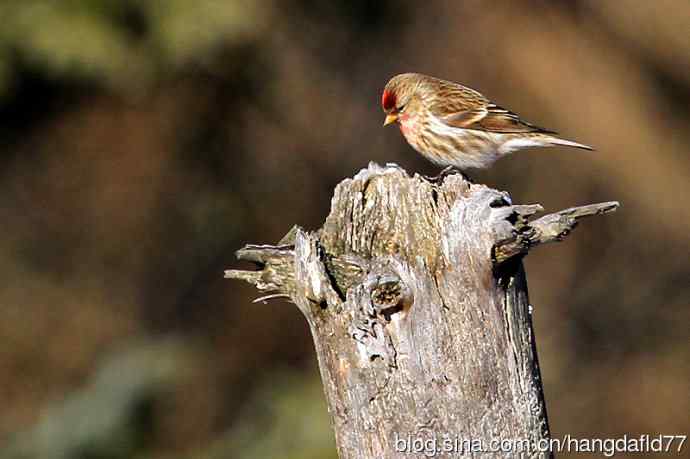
[[143, 141]]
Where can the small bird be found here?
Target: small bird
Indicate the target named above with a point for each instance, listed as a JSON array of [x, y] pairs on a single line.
[[455, 126]]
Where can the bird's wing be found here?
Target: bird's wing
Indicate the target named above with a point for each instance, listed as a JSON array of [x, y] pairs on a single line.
[[458, 106], [491, 118]]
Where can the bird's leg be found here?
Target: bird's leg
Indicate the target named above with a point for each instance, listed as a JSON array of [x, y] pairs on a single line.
[[441, 175], [448, 170]]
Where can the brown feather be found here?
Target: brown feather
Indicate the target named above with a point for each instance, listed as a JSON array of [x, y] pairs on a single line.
[[459, 106]]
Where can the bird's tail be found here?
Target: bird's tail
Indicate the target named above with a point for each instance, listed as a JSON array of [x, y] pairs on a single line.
[[566, 143]]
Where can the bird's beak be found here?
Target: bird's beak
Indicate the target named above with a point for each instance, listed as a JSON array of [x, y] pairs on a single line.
[[390, 118]]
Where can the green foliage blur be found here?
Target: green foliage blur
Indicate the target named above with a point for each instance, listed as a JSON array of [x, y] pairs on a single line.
[[142, 142], [117, 44]]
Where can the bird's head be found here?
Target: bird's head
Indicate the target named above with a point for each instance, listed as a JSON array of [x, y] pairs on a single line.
[[399, 96]]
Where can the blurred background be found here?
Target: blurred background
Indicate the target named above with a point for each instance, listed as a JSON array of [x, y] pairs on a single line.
[[143, 141]]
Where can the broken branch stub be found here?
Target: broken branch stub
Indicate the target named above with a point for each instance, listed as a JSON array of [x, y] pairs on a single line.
[[417, 303]]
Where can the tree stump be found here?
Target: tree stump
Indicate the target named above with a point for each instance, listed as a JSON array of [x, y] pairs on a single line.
[[417, 302]]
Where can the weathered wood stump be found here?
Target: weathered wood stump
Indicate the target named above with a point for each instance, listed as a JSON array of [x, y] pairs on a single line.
[[417, 301]]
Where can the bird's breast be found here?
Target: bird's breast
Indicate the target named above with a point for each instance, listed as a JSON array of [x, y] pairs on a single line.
[[408, 124]]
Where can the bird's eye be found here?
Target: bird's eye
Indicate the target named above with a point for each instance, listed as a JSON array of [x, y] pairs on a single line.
[[400, 109]]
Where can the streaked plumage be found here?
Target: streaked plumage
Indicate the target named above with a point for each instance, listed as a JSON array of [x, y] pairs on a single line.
[[452, 125]]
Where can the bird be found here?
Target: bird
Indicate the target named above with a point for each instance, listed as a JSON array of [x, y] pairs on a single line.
[[457, 127]]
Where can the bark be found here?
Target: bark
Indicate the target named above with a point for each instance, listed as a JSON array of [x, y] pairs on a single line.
[[417, 302]]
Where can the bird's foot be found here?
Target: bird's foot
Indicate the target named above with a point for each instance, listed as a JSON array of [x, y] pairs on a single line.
[[449, 170]]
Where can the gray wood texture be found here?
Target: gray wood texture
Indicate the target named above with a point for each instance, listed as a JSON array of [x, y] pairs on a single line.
[[417, 302]]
